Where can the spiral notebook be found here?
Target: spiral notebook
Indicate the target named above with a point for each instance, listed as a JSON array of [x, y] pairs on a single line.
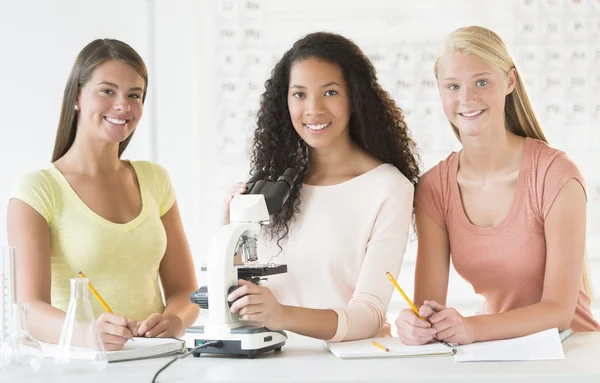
[[366, 349], [141, 348]]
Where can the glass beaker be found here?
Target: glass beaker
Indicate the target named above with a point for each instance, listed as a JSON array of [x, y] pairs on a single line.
[[21, 354], [80, 347]]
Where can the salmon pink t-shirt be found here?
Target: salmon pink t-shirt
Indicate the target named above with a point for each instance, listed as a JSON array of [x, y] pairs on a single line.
[[505, 263]]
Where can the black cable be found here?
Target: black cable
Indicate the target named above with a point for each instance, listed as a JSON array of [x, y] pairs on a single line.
[[215, 344]]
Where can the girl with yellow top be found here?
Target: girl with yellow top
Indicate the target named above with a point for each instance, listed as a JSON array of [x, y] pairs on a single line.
[[116, 221]]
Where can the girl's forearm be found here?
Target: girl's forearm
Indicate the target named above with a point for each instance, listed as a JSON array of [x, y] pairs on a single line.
[[321, 324], [179, 306], [520, 322]]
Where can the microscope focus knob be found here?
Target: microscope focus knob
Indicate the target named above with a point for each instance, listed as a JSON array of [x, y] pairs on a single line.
[[231, 289], [200, 297]]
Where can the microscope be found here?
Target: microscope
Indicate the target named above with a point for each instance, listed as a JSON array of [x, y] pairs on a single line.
[[247, 213]]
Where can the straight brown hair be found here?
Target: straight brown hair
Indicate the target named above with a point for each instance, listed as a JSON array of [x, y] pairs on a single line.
[[93, 55]]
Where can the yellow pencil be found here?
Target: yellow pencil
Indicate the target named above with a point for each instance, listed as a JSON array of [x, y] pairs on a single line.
[[378, 345], [404, 295], [93, 290]]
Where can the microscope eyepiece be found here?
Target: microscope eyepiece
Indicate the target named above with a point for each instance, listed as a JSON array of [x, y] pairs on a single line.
[[256, 182], [289, 177]]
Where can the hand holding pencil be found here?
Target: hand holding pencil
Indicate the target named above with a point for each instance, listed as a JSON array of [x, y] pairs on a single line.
[[115, 330], [412, 324]]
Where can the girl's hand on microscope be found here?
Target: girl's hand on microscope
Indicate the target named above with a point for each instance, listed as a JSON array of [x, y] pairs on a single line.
[[257, 304], [237, 189]]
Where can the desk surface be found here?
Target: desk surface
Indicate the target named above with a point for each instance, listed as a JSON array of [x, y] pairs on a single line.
[[306, 360]]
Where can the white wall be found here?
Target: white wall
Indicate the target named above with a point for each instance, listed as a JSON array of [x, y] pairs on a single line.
[[208, 60]]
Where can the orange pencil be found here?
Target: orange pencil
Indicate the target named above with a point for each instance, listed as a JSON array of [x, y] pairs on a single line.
[[378, 345], [412, 306]]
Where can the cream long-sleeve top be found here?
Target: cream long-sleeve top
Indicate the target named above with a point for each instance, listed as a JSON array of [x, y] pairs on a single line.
[[340, 246]]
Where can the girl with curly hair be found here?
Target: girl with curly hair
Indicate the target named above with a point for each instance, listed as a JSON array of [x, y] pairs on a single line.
[[347, 220]]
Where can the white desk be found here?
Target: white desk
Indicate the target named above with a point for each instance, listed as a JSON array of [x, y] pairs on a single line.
[[305, 360]]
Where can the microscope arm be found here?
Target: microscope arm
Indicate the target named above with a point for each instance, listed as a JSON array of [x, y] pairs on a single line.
[[222, 273]]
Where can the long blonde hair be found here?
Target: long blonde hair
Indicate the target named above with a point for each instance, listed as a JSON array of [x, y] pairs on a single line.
[[519, 116]]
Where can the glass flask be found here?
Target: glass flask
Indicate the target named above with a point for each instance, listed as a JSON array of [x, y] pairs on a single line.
[[20, 354], [80, 347]]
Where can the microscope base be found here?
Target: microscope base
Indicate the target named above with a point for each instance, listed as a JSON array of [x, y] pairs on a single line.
[[247, 340]]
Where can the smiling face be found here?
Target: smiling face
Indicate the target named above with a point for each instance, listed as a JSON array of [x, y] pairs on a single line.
[[110, 103], [319, 103], [473, 93]]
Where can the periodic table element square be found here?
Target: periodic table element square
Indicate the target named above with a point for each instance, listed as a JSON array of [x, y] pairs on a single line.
[[553, 57], [429, 111], [528, 56], [577, 83], [407, 106], [252, 35], [531, 80], [228, 35], [228, 115], [403, 86], [553, 83], [577, 28], [552, 29], [556, 7], [228, 61], [228, 88], [227, 8], [426, 86], [553, 115], [529, 29], [427, 53], [249, 111], [578, 55], [252, 9], [380, 57], [594, 29], [529, 7], [405, 57], [256, 61], [251, 89], [577, 110]]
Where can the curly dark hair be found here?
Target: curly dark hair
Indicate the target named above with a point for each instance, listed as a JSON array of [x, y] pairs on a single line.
[[376, 123]]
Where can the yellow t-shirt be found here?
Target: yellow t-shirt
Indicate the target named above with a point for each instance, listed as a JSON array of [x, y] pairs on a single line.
[[120, 260]]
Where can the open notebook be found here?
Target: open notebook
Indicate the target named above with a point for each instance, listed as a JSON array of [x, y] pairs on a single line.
[[141, 348], [366, 349]]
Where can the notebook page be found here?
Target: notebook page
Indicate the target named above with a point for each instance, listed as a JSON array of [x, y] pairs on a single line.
[[146, 348], [365, 349], [544, 345], [141, 348]]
